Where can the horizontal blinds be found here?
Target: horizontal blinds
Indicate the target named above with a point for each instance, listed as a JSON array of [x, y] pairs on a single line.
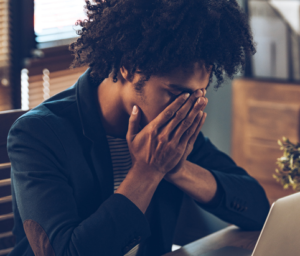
[[41, 87], [54, 20], [5, 98], [4, 34]]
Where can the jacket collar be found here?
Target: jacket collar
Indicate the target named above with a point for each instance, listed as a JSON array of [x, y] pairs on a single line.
[[87, 103]]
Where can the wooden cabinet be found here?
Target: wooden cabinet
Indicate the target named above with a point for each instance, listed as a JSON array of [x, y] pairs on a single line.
[[264, 112]]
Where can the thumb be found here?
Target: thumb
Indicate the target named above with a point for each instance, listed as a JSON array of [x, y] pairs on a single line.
[[134, 123]]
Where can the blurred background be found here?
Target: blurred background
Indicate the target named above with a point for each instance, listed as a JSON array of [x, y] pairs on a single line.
[[34, 56], [246, 116], [34, 38]]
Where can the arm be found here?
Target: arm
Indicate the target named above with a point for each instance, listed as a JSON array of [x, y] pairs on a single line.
[[139, 187], [46, 202], [195, 181], [241, 200]]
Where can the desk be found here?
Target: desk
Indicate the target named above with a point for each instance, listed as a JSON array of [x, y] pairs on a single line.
[[230, 236]]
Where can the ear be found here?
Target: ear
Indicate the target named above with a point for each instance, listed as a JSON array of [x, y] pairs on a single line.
[[125, 74]]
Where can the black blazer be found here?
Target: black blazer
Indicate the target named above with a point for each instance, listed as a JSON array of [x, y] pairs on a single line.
[[62, 186]]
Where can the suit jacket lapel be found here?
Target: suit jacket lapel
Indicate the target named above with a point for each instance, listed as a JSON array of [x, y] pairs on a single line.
[[102, 162], [88, 108]]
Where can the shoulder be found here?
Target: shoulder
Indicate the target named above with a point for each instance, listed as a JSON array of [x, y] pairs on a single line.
[[47, 123]]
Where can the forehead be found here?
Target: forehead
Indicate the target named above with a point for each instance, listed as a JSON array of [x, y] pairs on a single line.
[[196, 77]]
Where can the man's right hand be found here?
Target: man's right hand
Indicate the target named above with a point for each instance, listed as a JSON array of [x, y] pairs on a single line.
[[160, 145]]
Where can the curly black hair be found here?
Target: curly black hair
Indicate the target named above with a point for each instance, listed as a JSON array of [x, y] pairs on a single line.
[[156, 36]]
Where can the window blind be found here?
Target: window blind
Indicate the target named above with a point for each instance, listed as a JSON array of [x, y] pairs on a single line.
[[54, 21], [40, 87], [4, 34], [5, 102]]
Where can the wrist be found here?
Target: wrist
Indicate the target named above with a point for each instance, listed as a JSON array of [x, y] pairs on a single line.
[[174, 177], [139, 186], [146, 175]]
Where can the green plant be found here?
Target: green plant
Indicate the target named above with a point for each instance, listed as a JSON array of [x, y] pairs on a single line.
[[288, 173]]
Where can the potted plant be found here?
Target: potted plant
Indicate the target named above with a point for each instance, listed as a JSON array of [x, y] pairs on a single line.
[[288, 173]]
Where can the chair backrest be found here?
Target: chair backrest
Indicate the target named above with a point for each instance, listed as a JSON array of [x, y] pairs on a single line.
[[7, 242]]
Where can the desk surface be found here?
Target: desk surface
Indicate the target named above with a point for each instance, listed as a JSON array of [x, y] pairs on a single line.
[[230, 236]]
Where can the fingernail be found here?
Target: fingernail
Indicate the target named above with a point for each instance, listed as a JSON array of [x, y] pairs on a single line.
[[134, 110], [198, 93], [198, 101], [186, 95]]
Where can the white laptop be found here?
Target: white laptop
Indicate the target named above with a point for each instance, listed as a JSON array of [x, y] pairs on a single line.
[[280, 235]]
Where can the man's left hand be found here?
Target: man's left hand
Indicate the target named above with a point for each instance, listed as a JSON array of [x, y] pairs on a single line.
[[180, 166]]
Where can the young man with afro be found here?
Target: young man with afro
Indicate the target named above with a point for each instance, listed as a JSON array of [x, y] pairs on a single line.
[[101, 168]]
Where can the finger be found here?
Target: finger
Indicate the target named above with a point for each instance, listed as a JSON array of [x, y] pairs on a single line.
[[169, 111], [204, 103], [133, 123], [185, 110], [193, 138], [190, 132], [188, 121], [196, 133]]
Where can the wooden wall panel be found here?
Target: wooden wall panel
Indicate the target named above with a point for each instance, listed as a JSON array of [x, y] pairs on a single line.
[[269, 120], [264, 112], [261, 160]]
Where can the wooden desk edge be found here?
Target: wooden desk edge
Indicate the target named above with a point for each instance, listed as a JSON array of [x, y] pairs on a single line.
[[230, 236]]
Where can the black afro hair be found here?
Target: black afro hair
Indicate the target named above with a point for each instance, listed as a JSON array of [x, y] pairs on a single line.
[[157, 36]]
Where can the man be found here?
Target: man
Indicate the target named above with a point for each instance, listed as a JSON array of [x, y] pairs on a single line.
[[101, 168]]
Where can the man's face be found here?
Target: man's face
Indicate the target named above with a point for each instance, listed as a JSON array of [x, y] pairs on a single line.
[[158, 92]]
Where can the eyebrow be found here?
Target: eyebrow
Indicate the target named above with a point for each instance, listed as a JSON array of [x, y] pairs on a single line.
[[183, 88]]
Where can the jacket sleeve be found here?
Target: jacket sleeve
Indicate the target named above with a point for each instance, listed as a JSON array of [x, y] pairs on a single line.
[[48, 208], [241, 200]]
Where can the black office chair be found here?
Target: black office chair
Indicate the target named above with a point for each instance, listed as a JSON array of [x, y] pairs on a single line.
[[7, 240]]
